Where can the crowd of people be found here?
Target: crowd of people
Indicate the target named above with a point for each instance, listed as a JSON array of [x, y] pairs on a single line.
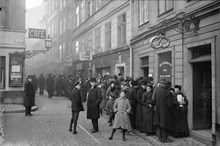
[[154, 109]]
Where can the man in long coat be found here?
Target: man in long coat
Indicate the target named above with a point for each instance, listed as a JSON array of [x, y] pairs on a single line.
[[41, 84], [163, 111], [50, 85], [29, 98], [76, 106], [94, 99]]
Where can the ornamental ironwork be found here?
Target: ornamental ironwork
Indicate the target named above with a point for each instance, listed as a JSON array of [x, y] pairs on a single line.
[[31, 53]]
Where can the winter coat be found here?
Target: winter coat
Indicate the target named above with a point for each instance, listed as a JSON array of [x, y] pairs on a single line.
[[76, 100], [112, 93], [104, 100], [41, 82], [132, 96], [122, 108], [94, 99], [163, 108], [109, 106], [29, 98], [50, 83], [139, 111]]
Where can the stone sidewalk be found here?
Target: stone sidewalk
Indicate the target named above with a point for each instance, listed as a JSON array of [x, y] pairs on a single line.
[[16, 108]]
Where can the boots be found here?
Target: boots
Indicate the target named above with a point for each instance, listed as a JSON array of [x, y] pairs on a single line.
[[112, 134], [71, 124], [74, 129], [123, 135]]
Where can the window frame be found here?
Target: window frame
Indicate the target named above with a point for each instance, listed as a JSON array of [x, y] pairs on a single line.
[[143, 4], [108, 35], [122, 26], [166, 10]]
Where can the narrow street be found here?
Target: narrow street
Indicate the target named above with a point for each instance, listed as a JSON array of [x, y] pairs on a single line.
[[49, 127]]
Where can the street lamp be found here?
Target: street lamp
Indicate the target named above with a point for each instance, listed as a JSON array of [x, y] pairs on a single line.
[[48, 43]]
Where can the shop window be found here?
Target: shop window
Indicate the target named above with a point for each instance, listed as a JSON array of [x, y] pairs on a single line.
[[143, 11], [145, 66], [2, 72], [165, 6], [98, 39], [122, 29], [201, 51]]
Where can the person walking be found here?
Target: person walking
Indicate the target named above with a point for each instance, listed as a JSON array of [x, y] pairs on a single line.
[[50, 85], [94, 100], [41, 84], [29, 98], [122, 108], [76, 106], [163, 111]]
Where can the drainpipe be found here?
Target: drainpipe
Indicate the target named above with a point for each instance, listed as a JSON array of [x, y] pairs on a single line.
[[131, 49]]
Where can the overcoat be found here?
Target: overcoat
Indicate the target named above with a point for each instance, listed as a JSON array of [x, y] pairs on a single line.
[[29, 98], [76, 100], [50, 83], [139, 111], [122, 108], [94, 99], [163, 108], [148, 113], [41, 82], [104, 100]]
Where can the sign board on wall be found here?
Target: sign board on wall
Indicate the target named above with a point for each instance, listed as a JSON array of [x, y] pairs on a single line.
[[165, 66], [37, 33]]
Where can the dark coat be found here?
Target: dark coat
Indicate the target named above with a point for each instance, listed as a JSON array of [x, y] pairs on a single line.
[[163, 108], [139, 111], [132, 97], [41, 82], [148, 113], [94, 99], [29, 98], [76, 100], [50, 83], [35, 83]]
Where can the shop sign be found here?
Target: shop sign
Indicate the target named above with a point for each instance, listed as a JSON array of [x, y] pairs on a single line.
[[165, 66], [37, 33], [84, 55]]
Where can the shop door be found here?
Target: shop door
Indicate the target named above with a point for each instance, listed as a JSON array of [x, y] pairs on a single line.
[[121, 70], [2, 72], [202, 95]]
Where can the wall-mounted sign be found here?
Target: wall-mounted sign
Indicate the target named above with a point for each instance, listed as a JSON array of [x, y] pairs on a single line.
[[165, 66], [16, 63], [37, 33]]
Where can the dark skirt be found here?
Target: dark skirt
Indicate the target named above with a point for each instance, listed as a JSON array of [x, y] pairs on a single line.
[[148, 122], [139, 118]]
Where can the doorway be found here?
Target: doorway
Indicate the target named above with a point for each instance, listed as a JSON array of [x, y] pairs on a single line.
[[202, 95], [2, 72]]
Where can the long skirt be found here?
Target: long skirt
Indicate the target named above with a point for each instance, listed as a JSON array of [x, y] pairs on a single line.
[[148, 122]]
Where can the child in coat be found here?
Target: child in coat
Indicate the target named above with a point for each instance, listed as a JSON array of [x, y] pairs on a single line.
[[122, 108], [109, 110]]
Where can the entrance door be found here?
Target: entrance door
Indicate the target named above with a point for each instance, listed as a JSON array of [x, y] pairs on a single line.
[[202, 95], [121, 70], [2, 72]]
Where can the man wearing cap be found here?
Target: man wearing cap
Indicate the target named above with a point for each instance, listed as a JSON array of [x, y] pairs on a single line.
[[94, 100], [29, 98], [76, 106], [163, 111]]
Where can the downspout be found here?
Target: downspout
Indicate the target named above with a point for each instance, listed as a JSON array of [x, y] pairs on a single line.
[[131, 49]]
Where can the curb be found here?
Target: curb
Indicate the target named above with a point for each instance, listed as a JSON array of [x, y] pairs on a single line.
[[34, 108]]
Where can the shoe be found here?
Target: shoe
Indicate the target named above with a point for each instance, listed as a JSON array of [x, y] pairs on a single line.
[[110, 124], [75, 132], [70, 130], [123, 139], [94, 131], [110, 138]]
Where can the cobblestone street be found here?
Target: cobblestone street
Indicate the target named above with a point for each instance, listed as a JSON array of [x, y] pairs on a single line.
[[49, 127]]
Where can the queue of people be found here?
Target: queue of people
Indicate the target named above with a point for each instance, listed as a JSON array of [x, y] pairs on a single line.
[[130, 104]]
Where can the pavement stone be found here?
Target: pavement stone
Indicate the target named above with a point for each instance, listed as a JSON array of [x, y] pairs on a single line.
[[16, 108]]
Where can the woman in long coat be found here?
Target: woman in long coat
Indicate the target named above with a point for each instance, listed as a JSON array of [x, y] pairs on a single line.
[[29, 98], [148, 111], [122, 108]]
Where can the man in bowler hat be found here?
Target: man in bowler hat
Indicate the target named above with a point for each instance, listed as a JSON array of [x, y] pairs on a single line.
[[94, 99]]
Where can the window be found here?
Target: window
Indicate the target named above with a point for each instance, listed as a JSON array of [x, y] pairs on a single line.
[[77, 16], [165, 6], [89, 41], [60, 52], [98, 5], [108, 36], [77, 47], [122, 30], [64, 24], [61, 27], [98, 39], [83, 10], [145, 66], [2, 13], [89, 8], [61, 5], [143, 11]]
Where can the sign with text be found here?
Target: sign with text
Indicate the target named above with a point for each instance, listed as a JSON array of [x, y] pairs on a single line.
[[165, 66], [37, 33]]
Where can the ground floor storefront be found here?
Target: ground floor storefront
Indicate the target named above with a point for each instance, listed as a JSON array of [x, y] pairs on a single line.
[[192, 62], [113, 62]]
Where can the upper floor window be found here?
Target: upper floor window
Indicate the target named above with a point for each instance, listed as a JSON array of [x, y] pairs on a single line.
[[61, 5], [89, 8], [98, 39], [64, 24], [98, 5], [77, 46], [2, 14], [77, 16], [108, 35], [83, 10], [143, 11], [165, 6], [61, 27], [122, 30]]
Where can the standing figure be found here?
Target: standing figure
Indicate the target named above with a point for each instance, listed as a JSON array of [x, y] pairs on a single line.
[[50, 85], [76, 106], [35, 83], [180, 128], [163, 111], [139, 111], [94, 99], [41, 84], [29, 98], [148, 111], [103, 102], [122, 108]]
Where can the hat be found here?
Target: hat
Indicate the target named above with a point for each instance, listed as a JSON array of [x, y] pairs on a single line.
[[143, 82], [124, 90], [149, 85], [134, 83], [178, 86], [29, 77], [112, 82], [76, 83], [167, 83], [93, 79], [162, 81]]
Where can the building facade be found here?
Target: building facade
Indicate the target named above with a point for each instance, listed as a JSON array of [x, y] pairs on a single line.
[[193, 29], [101, 37], [12, 46]]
